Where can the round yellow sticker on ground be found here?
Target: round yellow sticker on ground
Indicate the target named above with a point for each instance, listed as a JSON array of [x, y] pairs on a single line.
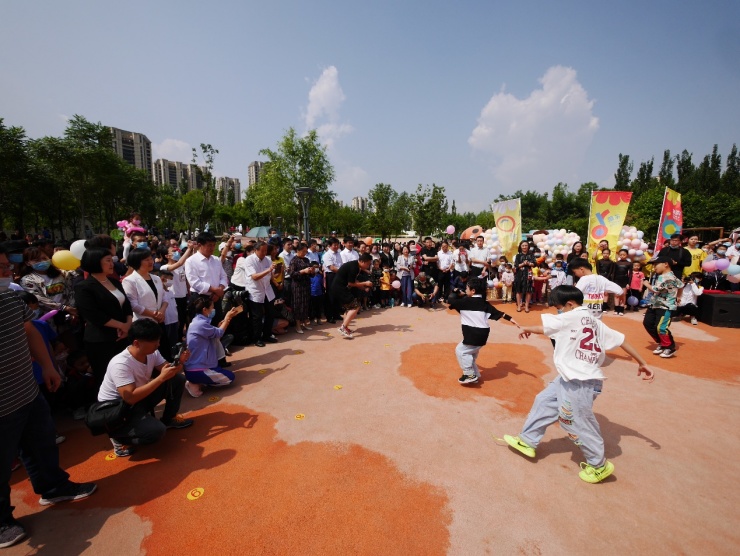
[[366, 362], [262, 371], [213, 399], [338, 387], [111, 456], [300, 416], [298, 351], [387, 345], [195, 494]]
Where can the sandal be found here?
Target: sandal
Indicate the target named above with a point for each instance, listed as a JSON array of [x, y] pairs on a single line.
[[526, 310], [518, 309]]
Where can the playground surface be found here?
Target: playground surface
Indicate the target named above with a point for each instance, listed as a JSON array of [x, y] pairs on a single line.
[[370, 446]]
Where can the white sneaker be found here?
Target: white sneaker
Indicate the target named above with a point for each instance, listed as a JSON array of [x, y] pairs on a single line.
[[658, 350], [694, 321], [667, 353]]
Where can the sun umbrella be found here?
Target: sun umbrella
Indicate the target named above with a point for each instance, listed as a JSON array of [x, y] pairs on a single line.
[[258, 231]]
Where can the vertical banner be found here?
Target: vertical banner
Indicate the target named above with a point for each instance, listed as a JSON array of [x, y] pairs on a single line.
[[608, 210], [508, 218], [671, 218]]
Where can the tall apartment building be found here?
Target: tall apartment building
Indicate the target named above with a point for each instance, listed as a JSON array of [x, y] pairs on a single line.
[[255, 169], [359, 203], [224, 186], [173, 173], [134, 148]]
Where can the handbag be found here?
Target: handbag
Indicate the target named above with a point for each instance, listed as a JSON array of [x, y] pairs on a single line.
[[103, 417]]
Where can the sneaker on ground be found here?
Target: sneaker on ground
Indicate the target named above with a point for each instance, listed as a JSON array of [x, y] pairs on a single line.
[[667, 353], [592, 474], [193, 389], [10, 533], [345, 332], [121, 450], [178, 422], [518, 444], [694, 321], [466, 379], [68, 492], [658, 350]]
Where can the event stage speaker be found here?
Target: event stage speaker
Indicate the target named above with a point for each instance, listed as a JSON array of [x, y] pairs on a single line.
[[720, 310]]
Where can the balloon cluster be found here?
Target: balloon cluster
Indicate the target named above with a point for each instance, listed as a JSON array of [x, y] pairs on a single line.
[[732, 271], [632, 239], [554, 242], [69, 260]]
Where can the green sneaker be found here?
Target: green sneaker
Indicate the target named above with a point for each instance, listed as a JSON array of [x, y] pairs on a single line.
[[516, 443], [592, 474]]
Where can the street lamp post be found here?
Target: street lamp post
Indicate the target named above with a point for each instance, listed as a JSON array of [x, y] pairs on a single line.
[[304, 196]]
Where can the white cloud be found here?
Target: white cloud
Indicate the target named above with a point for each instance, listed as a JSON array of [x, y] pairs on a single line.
[[322, 113], [535, 142], [173, 149]]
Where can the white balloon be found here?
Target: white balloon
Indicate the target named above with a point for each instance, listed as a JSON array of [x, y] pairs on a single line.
[[640, 235], [639, 253], [78, 248], [632, 252]]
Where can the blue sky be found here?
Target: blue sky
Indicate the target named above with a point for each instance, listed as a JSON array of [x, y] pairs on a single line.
[[481, 97]]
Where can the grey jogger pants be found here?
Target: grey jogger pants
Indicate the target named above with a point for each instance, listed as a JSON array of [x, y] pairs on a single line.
[[466, 356], [571, 403]]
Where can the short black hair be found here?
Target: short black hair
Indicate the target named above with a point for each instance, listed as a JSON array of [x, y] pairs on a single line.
[[136, 256], [75, 356], [332, 241], [676, 236], [477, 286], [464, 274], [625, 250], [205, 237], [144, 329], [91, 258], [562, 294], [348, 239], [366, 257], [579, 262], [99, 241], [427, 238]]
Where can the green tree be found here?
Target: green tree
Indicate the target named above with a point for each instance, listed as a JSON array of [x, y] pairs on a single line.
[[686, 170], [624, 172], [666, 170], [428, 209], [388, 214], [14, 175], [731, 176], [644, 177], [296, 162]]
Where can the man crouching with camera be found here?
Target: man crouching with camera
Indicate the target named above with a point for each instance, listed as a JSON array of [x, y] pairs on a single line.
[[142, 378]]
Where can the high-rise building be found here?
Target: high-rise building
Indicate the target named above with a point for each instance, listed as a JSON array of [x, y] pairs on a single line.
[[255, 169], [359, 203], [174, 173], [134, 148], [224, 187]]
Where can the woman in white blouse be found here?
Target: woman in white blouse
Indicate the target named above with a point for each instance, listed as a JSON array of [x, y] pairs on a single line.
[[146, 294]]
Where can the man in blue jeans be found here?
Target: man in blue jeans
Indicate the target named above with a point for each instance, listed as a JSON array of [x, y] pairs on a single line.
[[26, 427]]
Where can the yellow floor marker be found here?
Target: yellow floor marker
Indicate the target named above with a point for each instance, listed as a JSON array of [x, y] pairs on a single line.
[[213, 399], [111, 456], [337, 387], [195, 494], [300, 416]]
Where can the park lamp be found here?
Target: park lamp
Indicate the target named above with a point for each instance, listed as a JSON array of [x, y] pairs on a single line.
[[304, 197]]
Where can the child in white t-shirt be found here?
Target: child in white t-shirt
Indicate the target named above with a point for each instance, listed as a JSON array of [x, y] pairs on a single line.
[[171, 319], [595, 288], [688, 304], [581, 342]]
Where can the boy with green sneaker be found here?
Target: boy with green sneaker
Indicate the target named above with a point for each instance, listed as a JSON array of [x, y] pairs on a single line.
[[581, 342]]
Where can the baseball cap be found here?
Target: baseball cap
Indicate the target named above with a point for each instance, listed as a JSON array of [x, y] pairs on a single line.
[[658, 260]]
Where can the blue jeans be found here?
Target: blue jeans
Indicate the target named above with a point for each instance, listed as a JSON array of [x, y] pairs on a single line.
[[407, 289], [29, 432]]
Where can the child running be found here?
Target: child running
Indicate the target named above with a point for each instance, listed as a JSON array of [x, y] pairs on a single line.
[[595, 288], [581, 342], [475, 312]]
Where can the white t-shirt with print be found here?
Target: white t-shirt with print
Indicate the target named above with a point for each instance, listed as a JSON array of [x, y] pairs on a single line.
[[581, 342], [595, 288]]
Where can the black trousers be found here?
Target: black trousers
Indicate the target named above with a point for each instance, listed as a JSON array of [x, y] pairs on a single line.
[[444, 284], [331, 307], [261, 316]]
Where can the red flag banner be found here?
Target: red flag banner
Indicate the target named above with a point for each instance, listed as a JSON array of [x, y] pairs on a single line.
[[671, 218]]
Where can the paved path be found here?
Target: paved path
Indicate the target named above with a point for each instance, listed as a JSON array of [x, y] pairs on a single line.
[[392, 456]]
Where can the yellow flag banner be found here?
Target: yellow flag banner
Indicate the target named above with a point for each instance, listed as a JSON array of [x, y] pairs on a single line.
[[608, 210], [671, 218], [508, 217]]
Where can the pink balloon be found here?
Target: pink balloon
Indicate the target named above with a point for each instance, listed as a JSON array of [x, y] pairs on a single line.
[[709, 266], [450, 229], [722, 264], [396, 284], [734, 279], [636, 243]]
